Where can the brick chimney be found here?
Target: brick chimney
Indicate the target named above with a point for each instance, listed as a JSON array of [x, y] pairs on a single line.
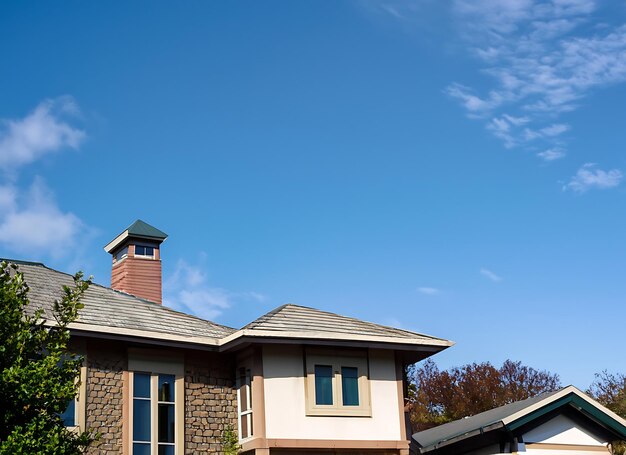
[[136, 265]]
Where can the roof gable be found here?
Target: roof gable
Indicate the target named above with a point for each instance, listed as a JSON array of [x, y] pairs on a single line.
[[516, 415]]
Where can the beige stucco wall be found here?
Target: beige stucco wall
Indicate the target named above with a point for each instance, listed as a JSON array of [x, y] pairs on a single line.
[[285, 415]]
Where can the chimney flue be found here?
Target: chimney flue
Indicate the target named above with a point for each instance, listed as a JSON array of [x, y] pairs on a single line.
[[136, 258]]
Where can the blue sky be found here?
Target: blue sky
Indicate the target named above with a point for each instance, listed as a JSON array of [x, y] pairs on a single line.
[[450, 167]]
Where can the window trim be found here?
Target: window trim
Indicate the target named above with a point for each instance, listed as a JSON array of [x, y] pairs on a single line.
[[337, 359], [143, 361], [80, 399], [145, 256], [248, 413]]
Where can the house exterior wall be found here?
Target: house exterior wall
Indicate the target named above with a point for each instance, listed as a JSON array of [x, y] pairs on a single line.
[[209, 399], [285, 405], [106, 364]]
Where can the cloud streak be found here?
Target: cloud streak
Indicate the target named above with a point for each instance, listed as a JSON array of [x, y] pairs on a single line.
[[189, 291], [45, 130], [31, 221], [589, 177], [428, 290], [490, 275], [539, 67]]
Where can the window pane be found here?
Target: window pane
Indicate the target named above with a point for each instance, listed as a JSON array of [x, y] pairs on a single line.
[[149, 251], [141, 420], [166, 423], [323, 384], [141, 449], [166, 450], [350, 386], [166, 387], [69, 415], [245, 429], [140, 250], [141, 385]]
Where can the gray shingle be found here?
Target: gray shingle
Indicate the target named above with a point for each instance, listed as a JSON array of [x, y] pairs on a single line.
[[109, 308], [295, 318]]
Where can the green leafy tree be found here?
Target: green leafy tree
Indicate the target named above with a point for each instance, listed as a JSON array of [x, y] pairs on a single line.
[[38, 372], [438, 397], [230, 441], [610, 390]]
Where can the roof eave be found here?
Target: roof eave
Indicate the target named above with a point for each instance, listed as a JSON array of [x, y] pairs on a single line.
[[92, 330], [270, 336]]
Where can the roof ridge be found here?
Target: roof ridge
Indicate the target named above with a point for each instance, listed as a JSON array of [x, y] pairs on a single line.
[[22, 262], [361, 321]]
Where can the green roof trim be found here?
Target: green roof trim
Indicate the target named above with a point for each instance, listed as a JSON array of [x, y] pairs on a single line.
[[142, 229], [580, 404]]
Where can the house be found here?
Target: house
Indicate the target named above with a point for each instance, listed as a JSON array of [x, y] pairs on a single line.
[[557, 423], [294, 381]]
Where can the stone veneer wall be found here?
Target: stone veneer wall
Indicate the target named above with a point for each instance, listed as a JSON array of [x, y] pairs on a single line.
[[210, 401], [106, 363]]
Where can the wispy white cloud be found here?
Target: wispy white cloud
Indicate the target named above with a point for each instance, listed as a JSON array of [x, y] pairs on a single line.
[[428, 290], [490, 275], [45, 130], [589, 177], [189, 291], [552, 154], [542, 58], [31, 221], [539, 67]]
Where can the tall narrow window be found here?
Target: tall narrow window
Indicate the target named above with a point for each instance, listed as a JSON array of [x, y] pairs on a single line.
[[154, 425], [166, 414], [244, 393], [142, 434]]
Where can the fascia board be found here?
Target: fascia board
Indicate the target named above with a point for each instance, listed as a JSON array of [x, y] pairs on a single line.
[[116, 241], [266, 334]]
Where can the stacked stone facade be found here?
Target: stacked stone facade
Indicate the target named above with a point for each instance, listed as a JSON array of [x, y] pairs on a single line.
[[210, 402], [105, 387], [210, 398]]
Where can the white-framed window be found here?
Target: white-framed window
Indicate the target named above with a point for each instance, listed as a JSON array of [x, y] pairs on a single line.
[[156, 392], [144, 251], [244, 403], [337, 383]]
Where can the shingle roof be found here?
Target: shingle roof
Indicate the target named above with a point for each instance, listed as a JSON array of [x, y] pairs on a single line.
[[106, 307], [296, 318]]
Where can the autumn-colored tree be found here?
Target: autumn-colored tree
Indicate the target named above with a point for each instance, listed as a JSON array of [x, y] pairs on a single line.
[[610, 390], [437, 397]]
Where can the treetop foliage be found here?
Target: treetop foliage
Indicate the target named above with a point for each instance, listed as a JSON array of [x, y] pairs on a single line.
[[38, 372], [437, 397]]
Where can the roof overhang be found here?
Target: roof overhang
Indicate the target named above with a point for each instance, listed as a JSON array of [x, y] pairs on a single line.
[[248, 336], [411, 350], [120, 239]]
